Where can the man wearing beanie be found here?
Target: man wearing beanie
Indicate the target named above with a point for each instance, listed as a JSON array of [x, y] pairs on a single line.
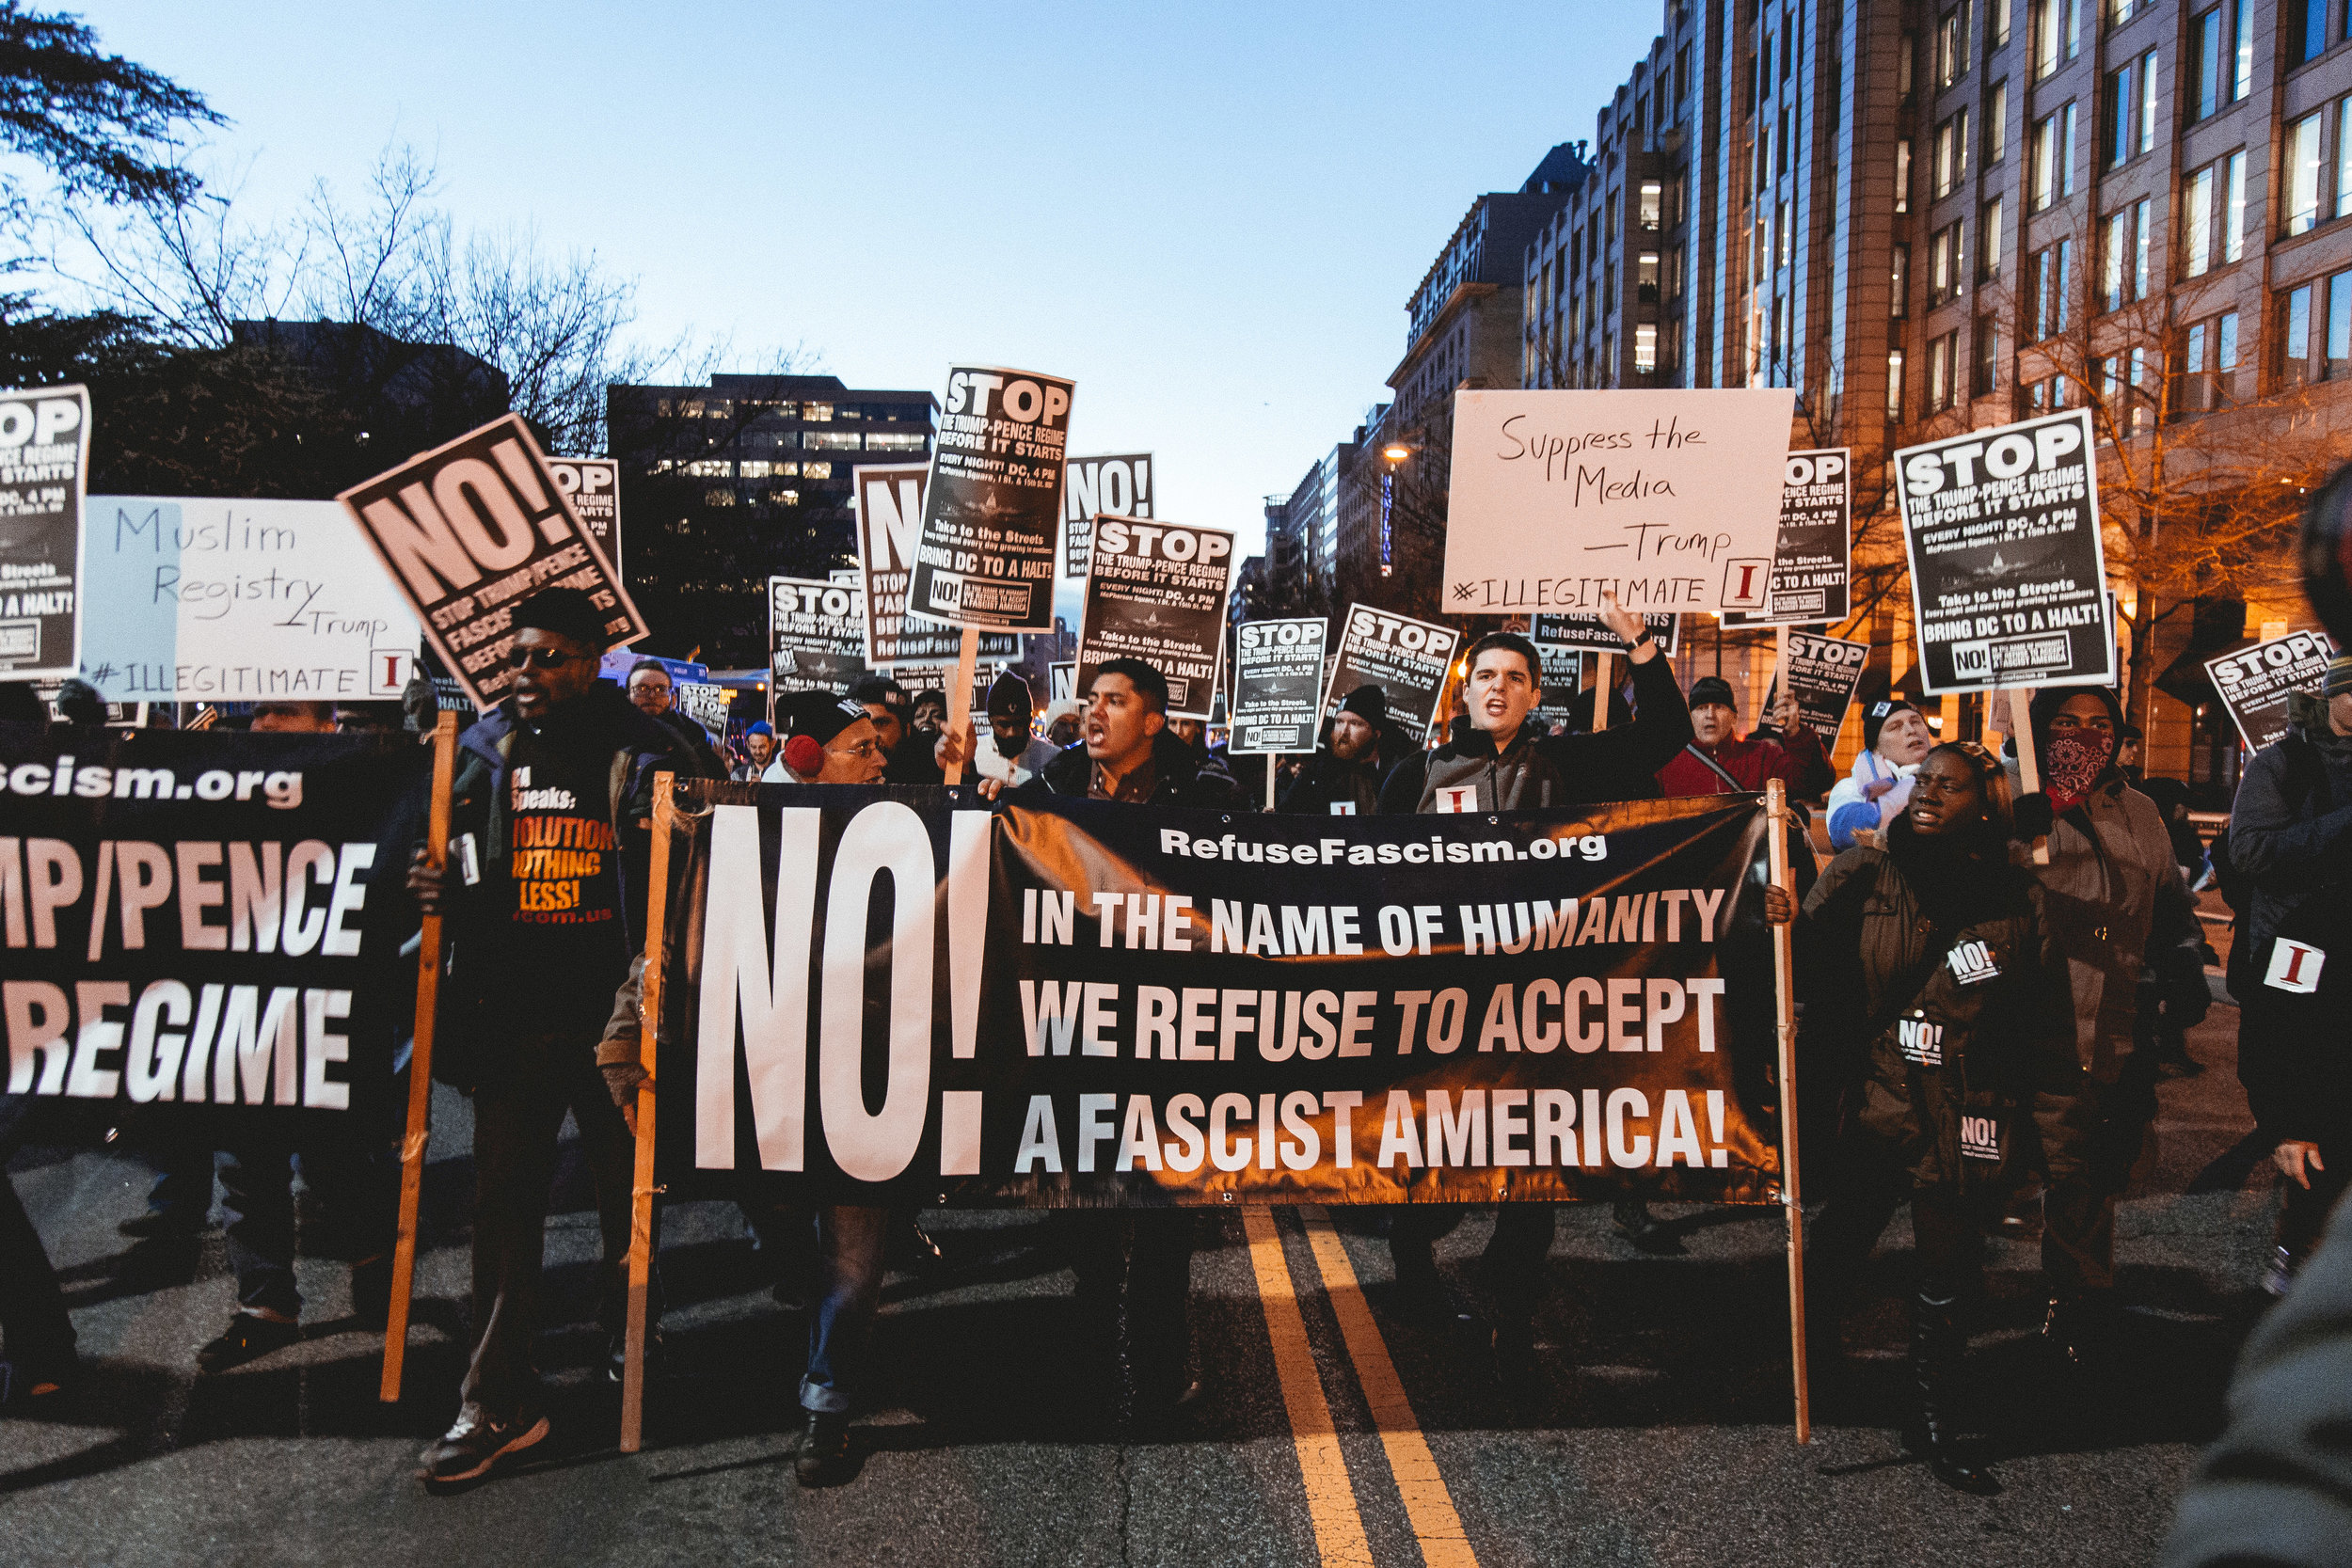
[[1014, 754], [1895, 737], [827, 740], [1342, 778], [2290, 840], [1715, 761], [544, 893], [760, 750]]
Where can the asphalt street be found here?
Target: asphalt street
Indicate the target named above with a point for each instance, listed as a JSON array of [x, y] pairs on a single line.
[[1657, 1429]]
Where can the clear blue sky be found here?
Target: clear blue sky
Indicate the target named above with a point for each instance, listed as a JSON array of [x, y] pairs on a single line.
[[1211, 216]]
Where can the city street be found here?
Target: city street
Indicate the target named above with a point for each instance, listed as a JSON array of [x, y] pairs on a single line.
[[1657, 1431]]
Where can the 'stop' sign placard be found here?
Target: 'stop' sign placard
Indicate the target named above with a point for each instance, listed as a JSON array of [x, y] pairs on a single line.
[[1670, 497]]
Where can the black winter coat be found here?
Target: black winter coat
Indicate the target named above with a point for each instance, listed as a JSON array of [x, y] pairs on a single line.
[[1948, 1044], [1179, 780]]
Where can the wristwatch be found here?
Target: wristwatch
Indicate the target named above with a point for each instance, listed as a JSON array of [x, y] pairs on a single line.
[[1639, 641]]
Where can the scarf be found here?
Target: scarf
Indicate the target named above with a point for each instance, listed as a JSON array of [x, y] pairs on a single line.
[[2070, 765]]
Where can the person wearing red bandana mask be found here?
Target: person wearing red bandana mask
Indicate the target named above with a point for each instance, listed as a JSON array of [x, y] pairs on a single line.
[[2117, 909]]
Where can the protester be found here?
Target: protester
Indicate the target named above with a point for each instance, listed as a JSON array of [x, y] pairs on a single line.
[[930, 711], [21, 705], [827, 740], [2116, 904], [1715, 760], [1062, 721], [652, 693], [79, 704], [2289, 846], [1343, 776], [760, 750], [353, 1184], [1501, 764], [1785, 727], [2129, 741], [1134, 1265], [548, 816], [365, 718], [1933, 987], [1013, 751], [1894, 736]]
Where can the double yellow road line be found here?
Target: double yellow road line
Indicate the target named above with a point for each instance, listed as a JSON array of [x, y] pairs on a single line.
[[1339, 1526]]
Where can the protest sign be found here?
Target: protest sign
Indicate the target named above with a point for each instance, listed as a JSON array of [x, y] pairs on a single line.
[[1408, 659], [1563, 673], [1091, 1004], [2254, 682], [237, 601], [2007, 574], [1061, 679], [1822, 673], [470, 529], [1812, 565], [815, 635], [888, 500], [618, 663], [202, 934], [592, 485], [993, 508], [44, 463], [1099, 487], [1278, 685], [1582, 630], [1671, 498], [1156, 592], [706, 705]]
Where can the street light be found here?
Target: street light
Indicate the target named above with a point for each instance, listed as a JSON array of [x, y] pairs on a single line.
[[1396, 452]]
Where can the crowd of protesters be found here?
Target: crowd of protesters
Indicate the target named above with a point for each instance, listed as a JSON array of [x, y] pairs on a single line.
[[1991, 979]]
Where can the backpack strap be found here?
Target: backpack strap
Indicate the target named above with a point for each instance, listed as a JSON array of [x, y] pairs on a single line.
[[1717, 768]]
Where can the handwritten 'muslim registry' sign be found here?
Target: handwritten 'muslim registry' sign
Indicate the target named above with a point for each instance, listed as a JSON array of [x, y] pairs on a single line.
[[1669, 498]]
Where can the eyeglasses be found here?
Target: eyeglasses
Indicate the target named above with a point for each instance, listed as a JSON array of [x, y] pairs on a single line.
[[541, 658], [862, 751]]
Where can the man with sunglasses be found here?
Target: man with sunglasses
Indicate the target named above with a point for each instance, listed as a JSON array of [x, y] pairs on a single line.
[[544, 891]]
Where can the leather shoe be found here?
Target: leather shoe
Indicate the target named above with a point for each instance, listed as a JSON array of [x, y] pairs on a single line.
[[822, 1458]]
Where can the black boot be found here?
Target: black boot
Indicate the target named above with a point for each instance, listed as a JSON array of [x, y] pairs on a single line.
[[1938, 1349]]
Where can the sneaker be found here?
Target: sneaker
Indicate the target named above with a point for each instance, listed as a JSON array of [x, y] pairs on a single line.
[[248, 1338], [822, 1458], [474, 1445]]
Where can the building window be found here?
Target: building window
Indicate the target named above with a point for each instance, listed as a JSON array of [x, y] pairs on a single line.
[[1787, 235], [2148, 101], [711, 467], [2194, 393], [2339, 345], [1895, 386], [2122, 10], [2131, 110], [2044, 189], [1899, 303], [1997, 123], [1997, 25], [2142, 262], [1944, 264], [2205, 67], [2302, 175], [1989, 242], [816, 470], [1652, 203], [2294, 337], [2115, 259], [832, 440], [894, 441], [1941, 390], [2343, 156], [2196, 224], [1645, 277], [2242, 76], [2233, 197], [2046, 37], [1903, 175], [1644, 348], [1985, 348], [2305, 23], [1951, 49], [1951, 154]]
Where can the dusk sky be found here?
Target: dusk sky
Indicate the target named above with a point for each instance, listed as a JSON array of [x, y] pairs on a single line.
[[1210, 215]]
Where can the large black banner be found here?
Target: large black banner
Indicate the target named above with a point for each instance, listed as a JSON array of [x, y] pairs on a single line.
[[880, 997], [196, 926]]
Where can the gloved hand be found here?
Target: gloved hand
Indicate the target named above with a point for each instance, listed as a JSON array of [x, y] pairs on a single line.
[[2034, 816], [622, 1080]]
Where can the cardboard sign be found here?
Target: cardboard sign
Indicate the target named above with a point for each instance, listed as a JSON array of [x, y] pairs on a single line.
[[993, 508], [1562, 672], [45, 465], [1408, 659], [1812, 562], [2295, 966], [1156, 592], [468, 530], [1278, 676], [592, 485], [1671, 498], [237, 601], [706, 705], [887, 500], [2254, 682], [1061, 680], [815, 635], [1097, 486], [1823, 673], [1582, 631], [2007, 575]]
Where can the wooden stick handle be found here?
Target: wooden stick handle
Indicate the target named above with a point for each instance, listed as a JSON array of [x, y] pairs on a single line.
[[960, 699], [641, 1187], [1785, 1041], [415, 1134], [2028, 764], [1601, 691]]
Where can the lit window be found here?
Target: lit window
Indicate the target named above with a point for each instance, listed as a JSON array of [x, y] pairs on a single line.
[[2302, 175], [2197, 210], [718, 495], [1895, 386], [894, 441], [2234, 229], [816, 470], [1997, 123], [1652, 202], [832, 440], [816, 413], [1644, 348], [750, 468], [711, 467]]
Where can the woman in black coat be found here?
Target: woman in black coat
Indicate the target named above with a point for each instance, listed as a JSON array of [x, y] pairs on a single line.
[[1935, 1001]]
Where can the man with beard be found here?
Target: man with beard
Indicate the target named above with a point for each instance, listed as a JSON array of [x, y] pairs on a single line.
[[1013, 752], [1342, 778]]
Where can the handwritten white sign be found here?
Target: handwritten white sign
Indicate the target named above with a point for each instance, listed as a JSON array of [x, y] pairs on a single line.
[[1670, 497]]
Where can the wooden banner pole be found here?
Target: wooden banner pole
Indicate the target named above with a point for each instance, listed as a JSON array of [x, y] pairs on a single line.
[[642, 1187], [1601, 691], [1270, 759], [1780, 671], [2028, 765], [419, 1070], [1785, 1037], [960, 699]]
